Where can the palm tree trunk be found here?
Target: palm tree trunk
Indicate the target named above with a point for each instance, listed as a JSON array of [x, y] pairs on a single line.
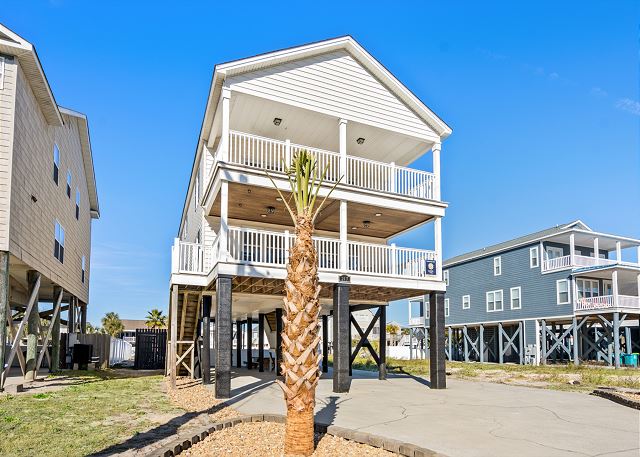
[[300, 341]]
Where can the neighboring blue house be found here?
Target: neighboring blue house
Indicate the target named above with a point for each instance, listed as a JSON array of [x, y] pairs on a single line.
[[542, 297]]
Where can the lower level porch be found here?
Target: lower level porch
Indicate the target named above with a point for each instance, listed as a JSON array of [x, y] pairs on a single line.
[[215, 326]]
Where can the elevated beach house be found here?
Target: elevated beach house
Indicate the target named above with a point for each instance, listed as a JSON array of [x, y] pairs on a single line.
[[567, 293], [48, 200], [335, 100]]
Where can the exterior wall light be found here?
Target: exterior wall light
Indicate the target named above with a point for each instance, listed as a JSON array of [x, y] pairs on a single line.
[[360, 140]]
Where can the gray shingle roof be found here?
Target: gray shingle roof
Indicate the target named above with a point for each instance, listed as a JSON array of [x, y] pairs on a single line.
[[512, 243]]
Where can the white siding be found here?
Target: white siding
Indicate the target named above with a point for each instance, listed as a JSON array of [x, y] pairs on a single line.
[[337, 85]]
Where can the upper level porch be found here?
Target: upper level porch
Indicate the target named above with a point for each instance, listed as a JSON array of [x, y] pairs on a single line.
[[582, 249]]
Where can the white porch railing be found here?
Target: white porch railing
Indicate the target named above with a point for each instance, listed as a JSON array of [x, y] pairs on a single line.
[[188, 257], [578, 261], [606, 302], [273, 155], [416, 320], [250, 246]]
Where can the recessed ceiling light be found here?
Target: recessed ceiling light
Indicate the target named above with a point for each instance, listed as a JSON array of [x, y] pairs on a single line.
[[354, 228], [378, 214], [263, 215], [277, 121], [278, 199], [360, 140]]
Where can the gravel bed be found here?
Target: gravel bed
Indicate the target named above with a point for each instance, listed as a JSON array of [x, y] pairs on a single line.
[[267, 439], [192, 396]]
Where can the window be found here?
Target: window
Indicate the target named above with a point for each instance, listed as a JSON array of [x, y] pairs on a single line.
[[553, 252], [83, 269], [587, 288], [445, 276], [1, 73], [56, 163], [494, 301], [516, 297], [69, 183], [497, 266], [77, 203], [58, 246], [607, 287], [534, 257], [466, 301], [562, 291], [446, 307]]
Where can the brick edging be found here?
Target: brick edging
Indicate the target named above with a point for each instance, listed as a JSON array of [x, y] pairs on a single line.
[[388, 444], [616, 397]]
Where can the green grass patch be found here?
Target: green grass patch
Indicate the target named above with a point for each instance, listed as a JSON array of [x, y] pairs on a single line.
[[97, 410]]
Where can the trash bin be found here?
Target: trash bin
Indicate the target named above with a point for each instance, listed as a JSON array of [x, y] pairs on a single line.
[[630, 360]]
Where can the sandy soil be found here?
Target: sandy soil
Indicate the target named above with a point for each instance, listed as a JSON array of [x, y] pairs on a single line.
[[267, 439]]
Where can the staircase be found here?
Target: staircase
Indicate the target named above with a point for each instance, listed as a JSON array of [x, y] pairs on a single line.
[[188, 313]]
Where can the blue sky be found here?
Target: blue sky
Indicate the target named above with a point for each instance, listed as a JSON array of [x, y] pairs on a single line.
[[543, 101]]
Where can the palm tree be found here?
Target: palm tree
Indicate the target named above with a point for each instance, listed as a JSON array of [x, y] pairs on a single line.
[[300, 337], [112, 324], [155, 319]]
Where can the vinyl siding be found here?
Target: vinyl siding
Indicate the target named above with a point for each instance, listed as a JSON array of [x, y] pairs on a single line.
[[7, 103], [32, 223], [476, 278], [336, 84]]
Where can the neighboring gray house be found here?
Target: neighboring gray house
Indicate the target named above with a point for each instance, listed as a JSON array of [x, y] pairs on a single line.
[[542, 297]]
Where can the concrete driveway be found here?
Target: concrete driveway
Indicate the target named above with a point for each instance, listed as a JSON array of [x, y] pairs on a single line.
[[467, 419]]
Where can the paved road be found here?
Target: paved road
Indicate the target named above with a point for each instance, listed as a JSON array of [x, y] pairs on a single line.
[[467, 419]]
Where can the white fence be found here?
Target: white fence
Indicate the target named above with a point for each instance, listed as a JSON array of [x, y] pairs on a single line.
[[119, 351]]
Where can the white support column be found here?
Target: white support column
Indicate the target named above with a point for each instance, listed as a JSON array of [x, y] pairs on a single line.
[[543, 257], [394, 259], [435, 150], [614, 286], [342, 124], [638, 255], [596, 250], [223, 246], [437, 239], [175, 256], [224, 139], [572, 248], [618, 252], [344, 249]]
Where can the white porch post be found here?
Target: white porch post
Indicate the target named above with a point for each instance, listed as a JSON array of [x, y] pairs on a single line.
[[435, 149], [596, 250], [572, 248], [614, 284], [638, 255], [618, 252], [175, 256], [224, 139], [342, 124], [543, 257], [344, 251], [437, 238], [223, 246]]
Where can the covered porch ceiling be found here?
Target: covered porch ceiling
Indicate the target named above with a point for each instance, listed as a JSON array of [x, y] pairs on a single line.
[[250, 203], [585, 238], [251, 114], [252, 296]]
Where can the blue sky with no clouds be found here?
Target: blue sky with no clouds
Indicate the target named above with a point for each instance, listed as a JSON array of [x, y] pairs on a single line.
[[543, 102]]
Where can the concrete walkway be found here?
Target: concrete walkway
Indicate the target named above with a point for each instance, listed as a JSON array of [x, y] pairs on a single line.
[[467, 419]]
